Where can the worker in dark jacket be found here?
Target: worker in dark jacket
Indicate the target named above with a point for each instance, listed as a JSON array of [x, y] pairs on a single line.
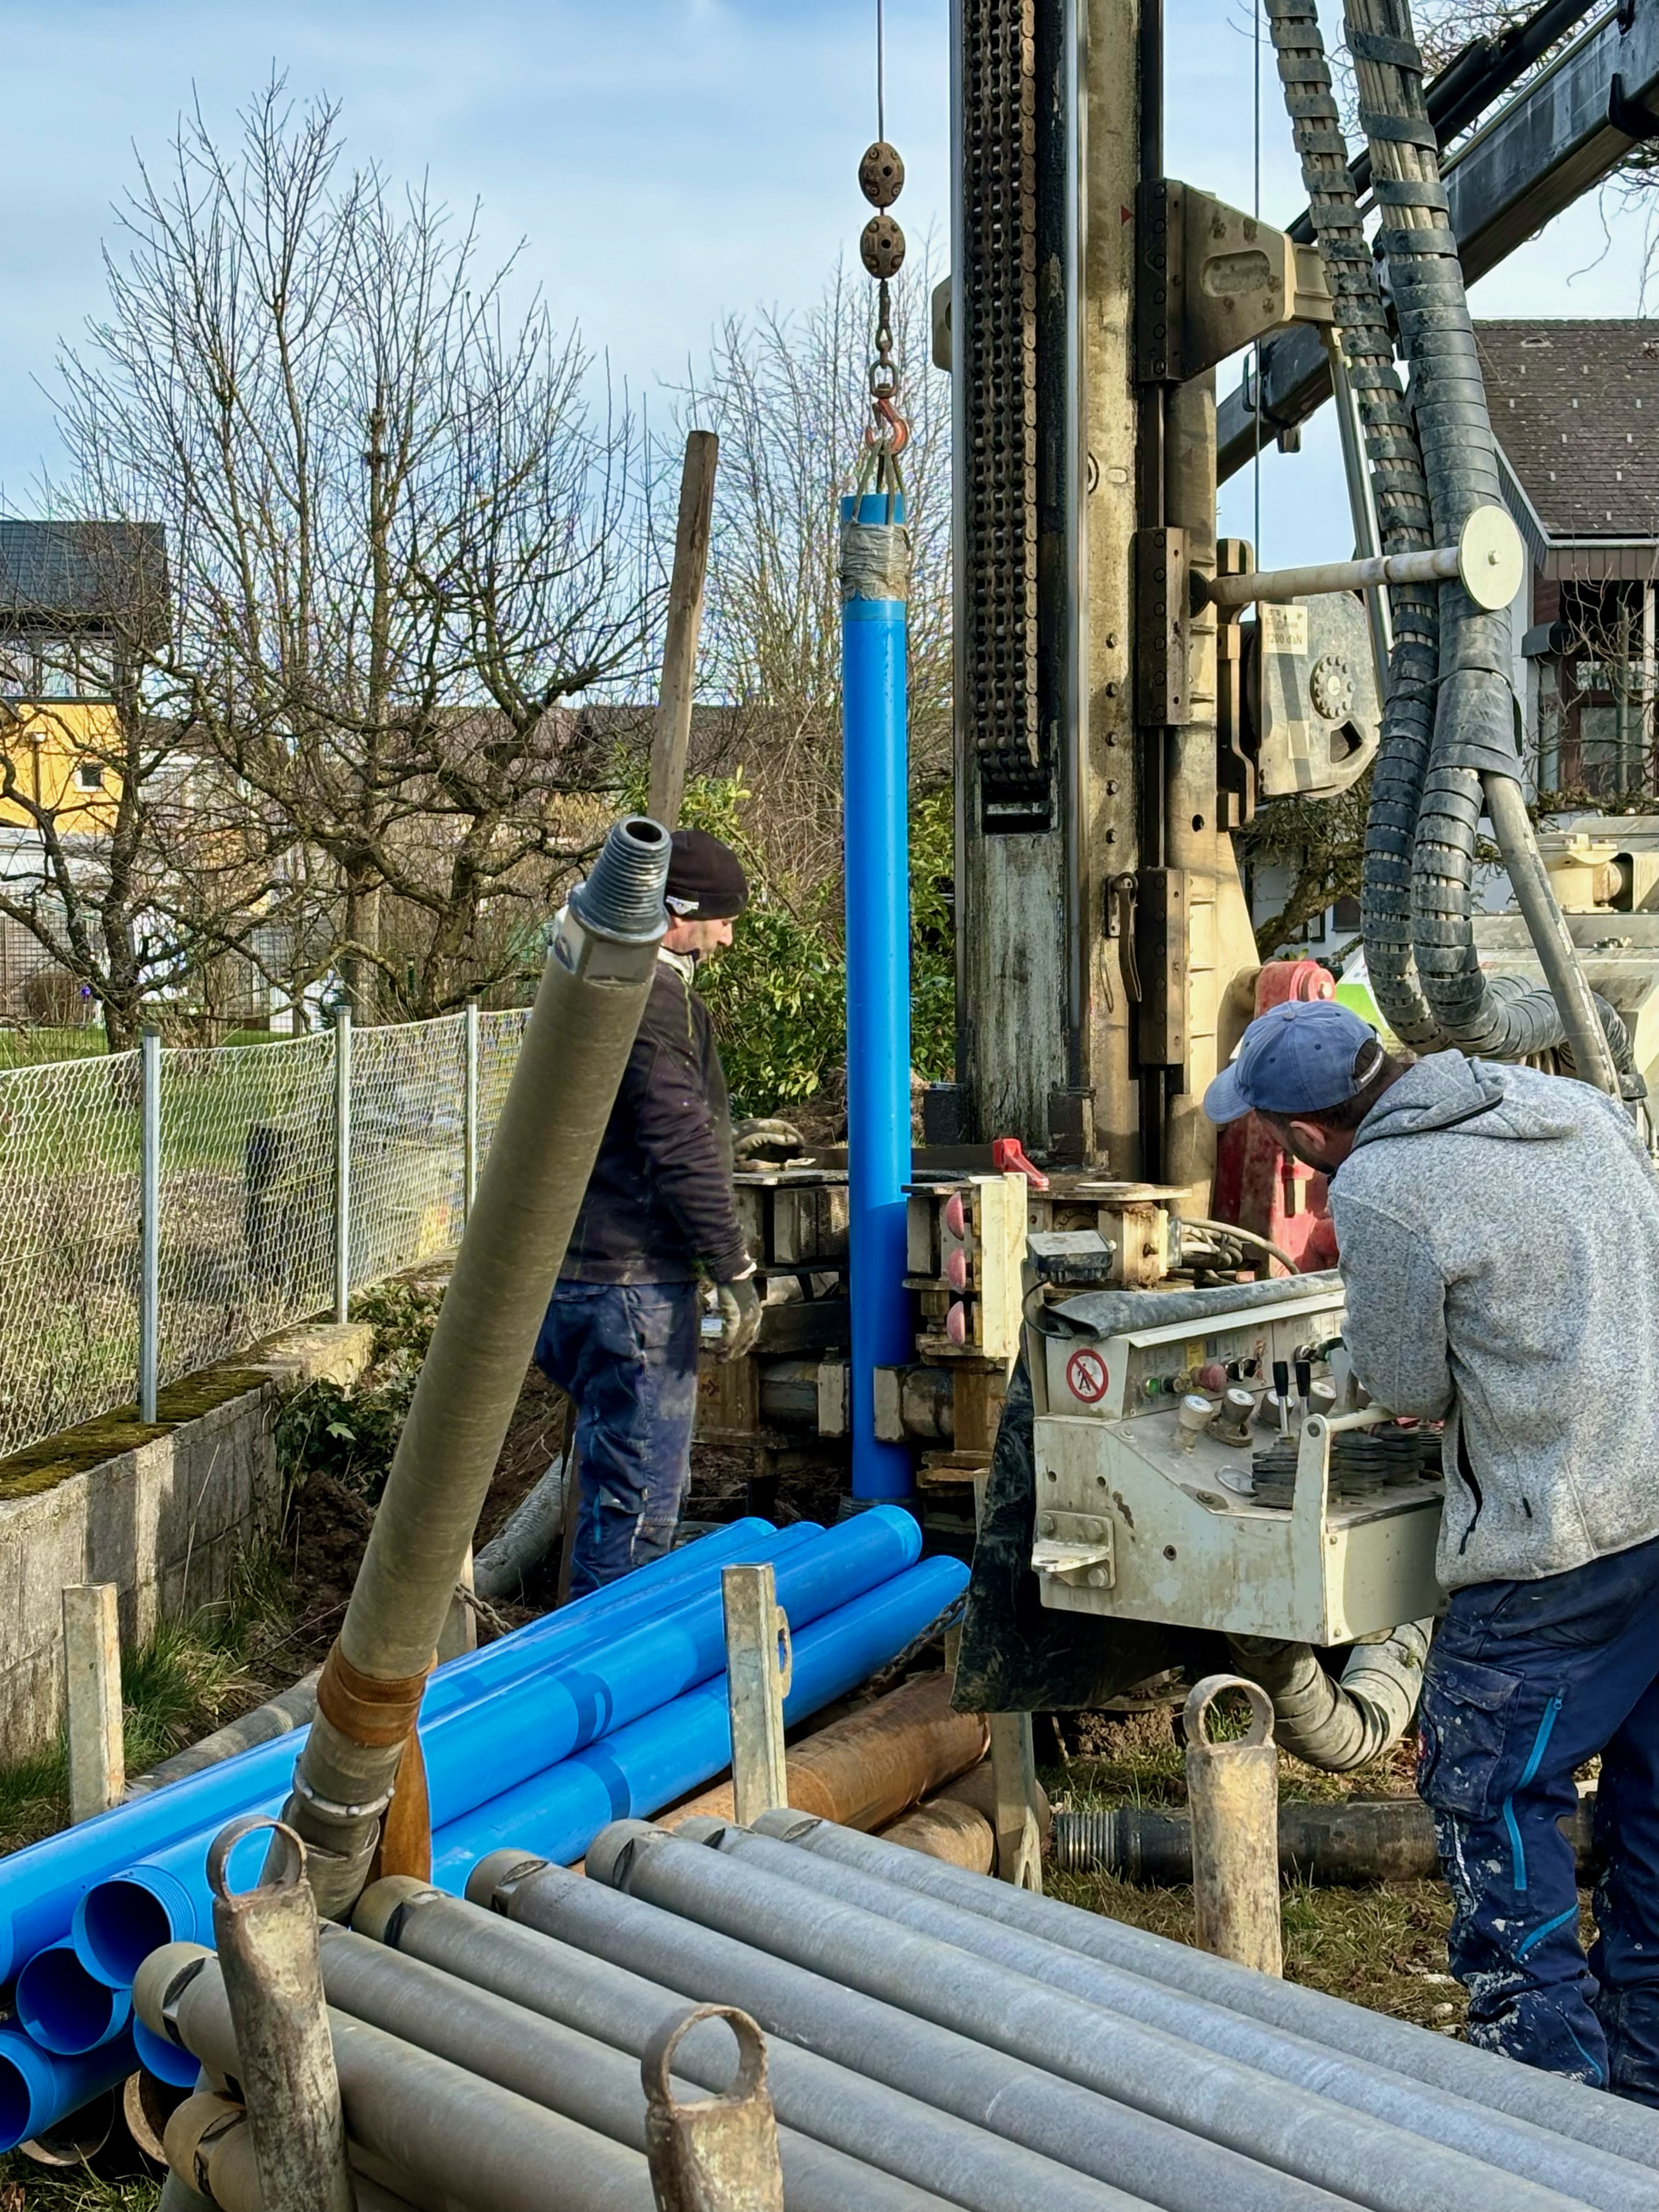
[[624, 1324], [1500, 1233]]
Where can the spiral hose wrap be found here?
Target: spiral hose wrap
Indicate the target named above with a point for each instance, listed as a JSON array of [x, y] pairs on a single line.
[[1449, 721]]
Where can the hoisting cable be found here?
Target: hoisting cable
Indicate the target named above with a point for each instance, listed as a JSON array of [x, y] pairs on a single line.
[[881, 249]]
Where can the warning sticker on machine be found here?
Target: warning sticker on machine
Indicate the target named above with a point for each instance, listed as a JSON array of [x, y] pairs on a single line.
[[1086, 1377], [1284, 630]]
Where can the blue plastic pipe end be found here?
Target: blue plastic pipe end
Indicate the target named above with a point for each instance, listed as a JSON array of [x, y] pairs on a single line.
[[163, 2059], [118, 1924], [875, 799], [64, 2009], [38, 2088]]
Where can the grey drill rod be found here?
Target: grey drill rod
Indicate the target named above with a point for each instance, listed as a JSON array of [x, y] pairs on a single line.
[[1095, 2135], [1284, 2128], [811, 2093], [1552, 2161], [1587, 2116]]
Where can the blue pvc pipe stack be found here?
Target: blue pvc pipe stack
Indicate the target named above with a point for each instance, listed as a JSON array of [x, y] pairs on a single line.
[[876, 797], [614, 1706]]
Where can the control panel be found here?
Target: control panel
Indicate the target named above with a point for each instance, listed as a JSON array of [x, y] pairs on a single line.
[[1228, 1475]]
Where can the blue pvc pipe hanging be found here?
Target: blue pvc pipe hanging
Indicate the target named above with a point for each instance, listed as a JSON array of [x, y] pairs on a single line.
[[875, 564]]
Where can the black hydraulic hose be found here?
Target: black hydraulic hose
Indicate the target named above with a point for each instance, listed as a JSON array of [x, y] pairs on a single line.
[[1473, 744], [1404, 521], [1475, 77]]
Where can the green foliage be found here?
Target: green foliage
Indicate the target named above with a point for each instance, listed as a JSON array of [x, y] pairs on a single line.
[[350, 1431], [933, 936], [778, 994], [193, 1674]]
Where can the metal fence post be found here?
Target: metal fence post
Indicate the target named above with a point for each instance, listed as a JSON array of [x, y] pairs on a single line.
[[92, 1696], [756, 1683], [149, 1220], [342, 1163], [470, 1111]]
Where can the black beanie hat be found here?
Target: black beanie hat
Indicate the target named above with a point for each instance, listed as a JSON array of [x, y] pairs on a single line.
[[706, 882]]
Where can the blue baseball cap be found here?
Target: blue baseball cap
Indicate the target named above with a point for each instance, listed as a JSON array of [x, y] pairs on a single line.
[[1295, 1059]]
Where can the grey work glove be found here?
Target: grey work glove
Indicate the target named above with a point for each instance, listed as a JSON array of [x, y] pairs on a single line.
[[740, 1313]]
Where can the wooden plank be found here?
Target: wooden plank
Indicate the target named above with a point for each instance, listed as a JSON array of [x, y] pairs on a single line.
[[672, 732]]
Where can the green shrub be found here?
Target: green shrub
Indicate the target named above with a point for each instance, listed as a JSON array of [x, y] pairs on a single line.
[[778, 994]]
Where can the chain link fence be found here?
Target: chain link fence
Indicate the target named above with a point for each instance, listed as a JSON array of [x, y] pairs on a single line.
[[251, 1218]]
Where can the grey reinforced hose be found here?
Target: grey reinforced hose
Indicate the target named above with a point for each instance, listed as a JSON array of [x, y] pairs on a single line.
[[1145, 2161], [289, 1709], [876, 2125], [524, 1538], [1474, 761], [1302, 2139], [1339, 1725], [1612, 2128], [1447, 2123], [593, 990], [1358, 1840]]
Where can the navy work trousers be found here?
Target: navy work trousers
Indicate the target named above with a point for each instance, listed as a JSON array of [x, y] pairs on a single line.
[[626, 1353], [1524, 1682]]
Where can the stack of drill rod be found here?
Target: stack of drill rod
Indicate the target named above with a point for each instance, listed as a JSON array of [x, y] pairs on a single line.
[[614, 1704], [934, 2037]]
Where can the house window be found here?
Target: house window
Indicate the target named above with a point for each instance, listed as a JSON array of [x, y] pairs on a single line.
[[89, 776], [1345, 916]]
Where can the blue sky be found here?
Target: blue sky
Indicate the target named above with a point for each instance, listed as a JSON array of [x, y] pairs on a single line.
[[665, 161]]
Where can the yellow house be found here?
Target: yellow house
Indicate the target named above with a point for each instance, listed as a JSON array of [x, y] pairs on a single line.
[[73, 599]]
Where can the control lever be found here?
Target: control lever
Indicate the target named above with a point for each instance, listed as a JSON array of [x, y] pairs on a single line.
[[1282, 1392], [1303, 1384]]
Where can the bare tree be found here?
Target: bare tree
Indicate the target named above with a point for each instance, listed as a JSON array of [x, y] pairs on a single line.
[[393, 523]]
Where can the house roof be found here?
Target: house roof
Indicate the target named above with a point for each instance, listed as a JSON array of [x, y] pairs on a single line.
[[1575, 406], [80, 572]]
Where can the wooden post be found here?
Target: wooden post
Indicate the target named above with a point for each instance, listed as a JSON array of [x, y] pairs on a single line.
[[756, 1683], [672, 732], [1233, 1791], [91, 1678]]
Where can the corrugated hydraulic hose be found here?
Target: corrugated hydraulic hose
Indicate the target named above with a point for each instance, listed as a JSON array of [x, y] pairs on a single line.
[[1404, 523], [1438, 2123], [1339, 1725], [1622, 2136], [593, 990], [1474, 761]]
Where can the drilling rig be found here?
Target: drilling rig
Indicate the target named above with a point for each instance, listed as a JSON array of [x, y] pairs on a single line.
[[1180, 1452]]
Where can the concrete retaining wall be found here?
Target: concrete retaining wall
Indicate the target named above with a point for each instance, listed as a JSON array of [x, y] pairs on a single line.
[[163, 1520]]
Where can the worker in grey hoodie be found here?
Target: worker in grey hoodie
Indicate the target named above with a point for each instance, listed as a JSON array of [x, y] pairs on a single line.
[[1499, 1238]]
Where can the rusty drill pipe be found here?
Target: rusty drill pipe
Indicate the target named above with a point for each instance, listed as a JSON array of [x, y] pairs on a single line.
[[267, 1942], [874, 1764], [945, 1828], [593, 991], [1233, 1791]]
